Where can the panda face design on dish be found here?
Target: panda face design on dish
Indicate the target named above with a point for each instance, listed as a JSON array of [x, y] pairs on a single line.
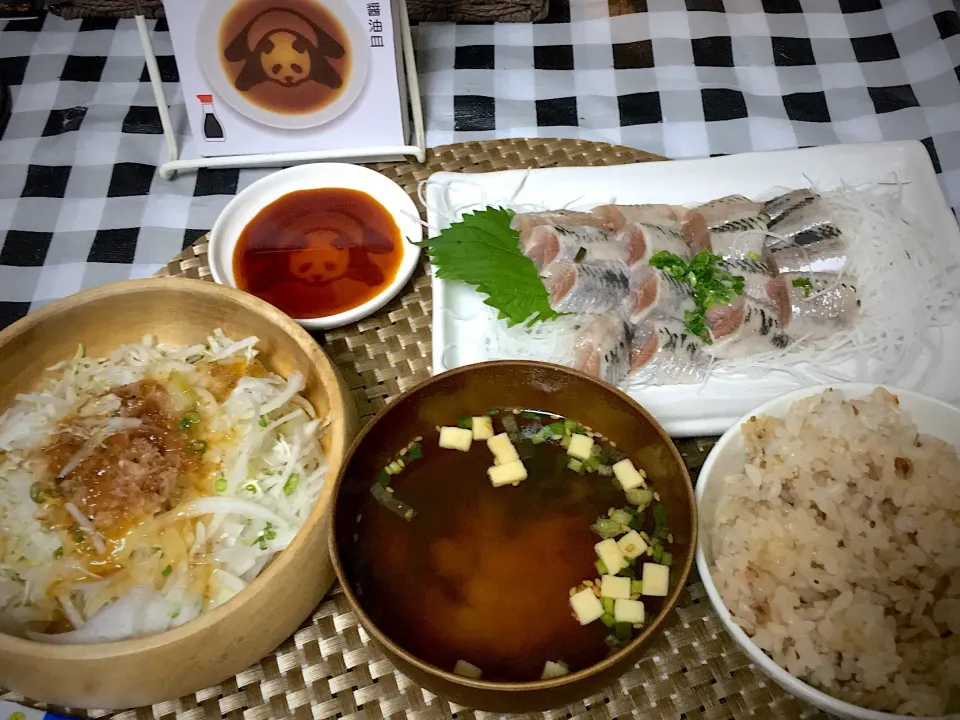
[[284, 47]]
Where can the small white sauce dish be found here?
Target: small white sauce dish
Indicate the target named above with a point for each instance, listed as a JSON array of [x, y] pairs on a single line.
[[247, 204], [728, 457]]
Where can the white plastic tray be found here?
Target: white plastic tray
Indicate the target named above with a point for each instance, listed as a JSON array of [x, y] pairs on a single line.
[[691, 410]]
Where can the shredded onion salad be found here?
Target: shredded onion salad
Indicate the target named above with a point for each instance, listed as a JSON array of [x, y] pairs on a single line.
[[139, 490]]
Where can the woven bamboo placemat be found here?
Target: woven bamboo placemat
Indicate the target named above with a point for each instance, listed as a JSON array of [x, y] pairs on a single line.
[[330, 669]]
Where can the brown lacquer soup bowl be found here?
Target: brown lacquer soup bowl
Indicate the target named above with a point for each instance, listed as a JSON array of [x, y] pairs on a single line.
[[463, 555]]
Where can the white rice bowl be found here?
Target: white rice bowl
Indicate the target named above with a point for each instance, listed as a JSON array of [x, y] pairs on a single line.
[[827, 575]]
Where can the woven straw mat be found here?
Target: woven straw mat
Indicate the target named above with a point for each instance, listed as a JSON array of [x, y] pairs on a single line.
[[330, 668]]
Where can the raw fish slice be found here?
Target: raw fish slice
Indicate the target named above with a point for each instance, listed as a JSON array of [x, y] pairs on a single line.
[[782, 205], [666, 353], [656, 294], [644, 240], [827, 256], [603, 348], [618, 216], [755, 274], [810, 223], [586, 287], [695, 231], [524, 223], [745, 326], [735, 244], [814, 304], [731, 212], [560, 242]]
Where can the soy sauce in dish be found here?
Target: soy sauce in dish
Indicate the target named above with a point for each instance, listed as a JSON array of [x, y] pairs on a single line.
[[316, 253]]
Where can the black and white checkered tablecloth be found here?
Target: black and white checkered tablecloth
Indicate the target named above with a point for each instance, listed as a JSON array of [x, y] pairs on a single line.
[[81, 204]]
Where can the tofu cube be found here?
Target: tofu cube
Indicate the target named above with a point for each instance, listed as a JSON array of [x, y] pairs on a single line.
[[628, 475], [580, 446], [507, 474], [632, 545], [552, 670], [608, 551], [586, 606], [656, 579], [614, 586], [502, 449], [465, 669], [454, 438], [628, 611], [482, 428]]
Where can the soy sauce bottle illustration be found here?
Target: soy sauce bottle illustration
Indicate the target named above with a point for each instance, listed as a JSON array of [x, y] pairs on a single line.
[[212, 129]]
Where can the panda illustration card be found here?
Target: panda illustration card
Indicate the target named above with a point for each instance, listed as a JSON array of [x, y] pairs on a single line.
[[269, 76]]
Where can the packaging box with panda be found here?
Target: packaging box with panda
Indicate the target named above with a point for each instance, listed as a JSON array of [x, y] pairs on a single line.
[[271, 76]]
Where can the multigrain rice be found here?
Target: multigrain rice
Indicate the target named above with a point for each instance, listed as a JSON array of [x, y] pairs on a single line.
[[837, 551]]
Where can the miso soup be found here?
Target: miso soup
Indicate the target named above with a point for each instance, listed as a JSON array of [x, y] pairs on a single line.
[[457, 570]]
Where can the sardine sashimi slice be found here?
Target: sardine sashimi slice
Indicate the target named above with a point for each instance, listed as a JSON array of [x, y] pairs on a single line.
[[586, 287], [732, 212], [603, 348], [755, 274], [666, 353], [781, 206], [695, 231], [745, 326], [655, 293], [810, 223], [619, 216], [815, 304], [524, 223], [644, 240], [561, 242], [827, 256]]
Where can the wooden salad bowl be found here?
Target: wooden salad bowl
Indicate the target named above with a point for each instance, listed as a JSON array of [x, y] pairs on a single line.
[[224, 641], [472, 390]]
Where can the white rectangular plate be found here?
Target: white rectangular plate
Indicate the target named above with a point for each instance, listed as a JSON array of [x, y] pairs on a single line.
[[718, 404]]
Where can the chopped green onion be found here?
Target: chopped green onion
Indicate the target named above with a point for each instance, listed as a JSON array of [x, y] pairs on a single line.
[[753, 255], [220, 484], [290, 486], [667, 558], [591, 464], [268, 532], [639, 497], [607, 605], [58, 553], [660, 520], [383, 478], [608, 620], [493, 411], [175, 615], [623, 631], [572, 427], [657, 552], [36, 493], [621, 518], [166, 571], [628, 572], [466, 422], [189, 420], [197, 446], [581, 253], [251, 488], [601, 567], [607, 528], [556, 428], [263, 421], [262, 542], [415, 452], [575, 465], [391, 503], [802, 282], [77, 534], [636, 587], [529, 415]]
